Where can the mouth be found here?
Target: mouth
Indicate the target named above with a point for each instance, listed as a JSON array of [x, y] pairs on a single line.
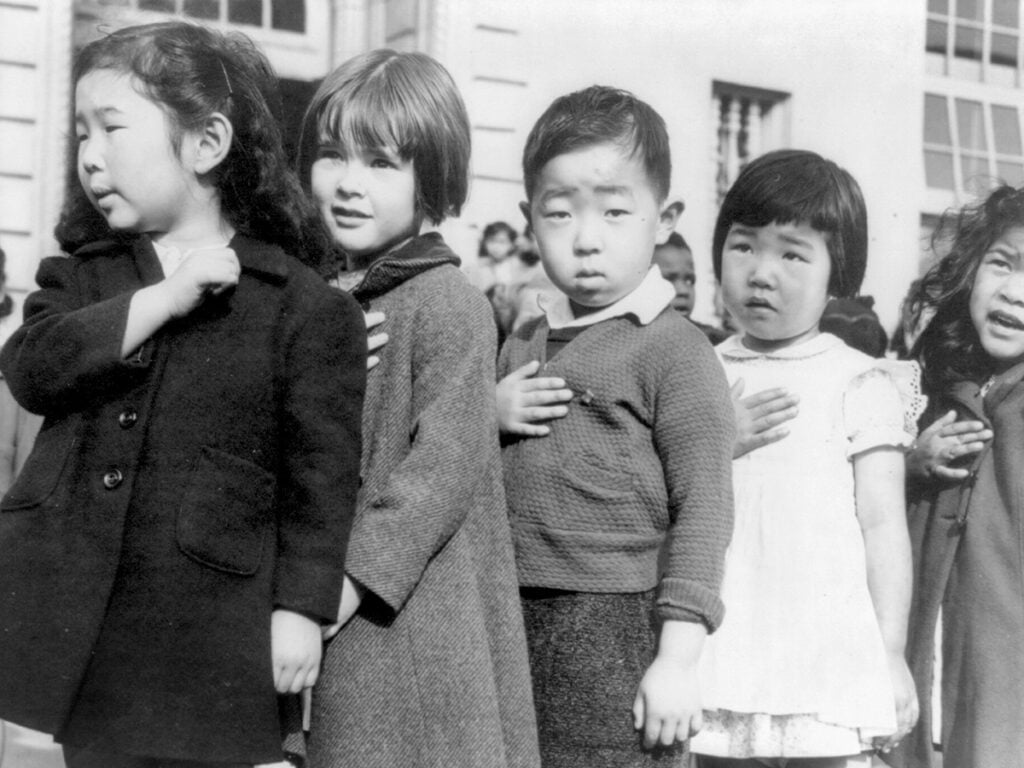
[[758, 303], [101, 192], [340, 212], [1005, 320]]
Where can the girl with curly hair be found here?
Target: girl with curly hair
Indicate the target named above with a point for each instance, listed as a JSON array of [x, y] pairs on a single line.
[[174, 542], [966, 512]]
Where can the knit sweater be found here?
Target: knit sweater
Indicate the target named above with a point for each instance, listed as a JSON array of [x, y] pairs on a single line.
[[643, 459]]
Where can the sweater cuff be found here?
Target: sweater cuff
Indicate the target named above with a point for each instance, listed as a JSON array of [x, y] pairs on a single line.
[[680, 599]]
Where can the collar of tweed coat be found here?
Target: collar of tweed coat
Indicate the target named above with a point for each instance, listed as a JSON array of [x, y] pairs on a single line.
[[417, 256]]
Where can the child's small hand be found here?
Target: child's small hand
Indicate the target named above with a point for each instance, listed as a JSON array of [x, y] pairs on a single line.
[[351, 598], [759, 415], [295, 647], [906, 702], [667, 707], [942, 443], [375, 340], [207, 271], [523, 401]]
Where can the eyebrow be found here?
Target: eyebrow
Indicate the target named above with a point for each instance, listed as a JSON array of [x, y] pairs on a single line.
[[794, 240], [1005, 250]]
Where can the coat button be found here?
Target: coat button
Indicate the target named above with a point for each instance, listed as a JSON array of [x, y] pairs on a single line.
[[127, 418], [112, 479]]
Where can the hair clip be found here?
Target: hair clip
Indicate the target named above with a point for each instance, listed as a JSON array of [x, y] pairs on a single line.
[[227, 80]]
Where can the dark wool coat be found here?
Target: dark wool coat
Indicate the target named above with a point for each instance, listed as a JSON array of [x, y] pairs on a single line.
[[172, 500], [432, 671], [968, 542]]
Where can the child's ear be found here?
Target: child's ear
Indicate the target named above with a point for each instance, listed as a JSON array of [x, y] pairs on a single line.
[[524, 206], [213, 142], [667, 220]]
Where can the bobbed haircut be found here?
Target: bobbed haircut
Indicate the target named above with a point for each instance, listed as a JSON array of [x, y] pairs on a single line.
[[600, 115], [792, 186], [192, 72], [949, 348], [406, 102]]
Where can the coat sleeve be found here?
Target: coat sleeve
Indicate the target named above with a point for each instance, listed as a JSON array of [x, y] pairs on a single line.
[[454, 438], [694, 431], [325, 370], [66, 351]]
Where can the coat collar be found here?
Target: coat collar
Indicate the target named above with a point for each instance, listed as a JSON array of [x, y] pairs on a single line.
[[420, 254], [262, 260]]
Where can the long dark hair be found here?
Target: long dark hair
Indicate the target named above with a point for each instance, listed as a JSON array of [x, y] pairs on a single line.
[[949, 348], [192, 72]]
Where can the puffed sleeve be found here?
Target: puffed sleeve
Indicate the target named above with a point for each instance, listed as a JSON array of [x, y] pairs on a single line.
[[875, 413]]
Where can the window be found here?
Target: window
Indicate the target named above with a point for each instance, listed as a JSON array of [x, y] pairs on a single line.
[[281, 15], [970, 144], [749, 122], [975, 39]]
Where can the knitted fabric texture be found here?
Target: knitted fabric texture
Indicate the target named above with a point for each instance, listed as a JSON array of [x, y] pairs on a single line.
[[642, 459]]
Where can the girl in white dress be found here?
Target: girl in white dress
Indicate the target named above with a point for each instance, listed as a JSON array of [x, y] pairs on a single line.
[[808, 666]]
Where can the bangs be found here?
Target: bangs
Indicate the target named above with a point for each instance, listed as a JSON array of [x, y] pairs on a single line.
[[812, 202], [370, 116]]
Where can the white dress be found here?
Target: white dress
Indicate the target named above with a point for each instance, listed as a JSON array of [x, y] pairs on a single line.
[[798, 667]]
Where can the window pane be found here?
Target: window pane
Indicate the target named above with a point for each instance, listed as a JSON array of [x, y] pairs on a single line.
[[1005, 12], [936, 120], [1006, 130], [938, 6], [1010, 173], [970, 9], [935, 37], [288, 14], [164, 6], [970, 121], [1004, 49], [246, 12], [968, 43], [972, 168], [202, 9], [938, 169]]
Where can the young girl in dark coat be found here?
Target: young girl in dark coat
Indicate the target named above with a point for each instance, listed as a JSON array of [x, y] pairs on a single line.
[[966, 516], [429, 666], [175, 541]]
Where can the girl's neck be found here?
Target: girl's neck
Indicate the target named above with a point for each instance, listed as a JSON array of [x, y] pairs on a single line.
[[196, 238], [774, 345], [363, 261]]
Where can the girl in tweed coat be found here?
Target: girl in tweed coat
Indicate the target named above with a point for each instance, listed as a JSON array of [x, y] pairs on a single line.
[[428, 668]]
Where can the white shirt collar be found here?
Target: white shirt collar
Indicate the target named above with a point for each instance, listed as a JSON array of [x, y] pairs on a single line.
[[645, 302], [171, 257]]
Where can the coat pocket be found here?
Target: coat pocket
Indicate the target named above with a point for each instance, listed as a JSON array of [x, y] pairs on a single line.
[[37, 483], [226, 513]]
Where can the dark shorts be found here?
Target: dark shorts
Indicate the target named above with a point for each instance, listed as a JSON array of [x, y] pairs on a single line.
[[588, 653]]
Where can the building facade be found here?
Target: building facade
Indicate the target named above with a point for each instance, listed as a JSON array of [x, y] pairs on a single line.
[[919, 99]]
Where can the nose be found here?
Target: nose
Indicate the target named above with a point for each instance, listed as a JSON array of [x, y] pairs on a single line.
[[89, 155], [1012, 289], [762, 273], [588, 236], [350, 182]]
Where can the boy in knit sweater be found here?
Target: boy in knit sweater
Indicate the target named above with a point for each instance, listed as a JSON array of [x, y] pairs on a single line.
[[621, 509]]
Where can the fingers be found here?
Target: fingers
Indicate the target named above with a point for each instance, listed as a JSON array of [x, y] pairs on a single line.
[[376, 341], [736, 390], [373, 319], [762, 439], [524, 371], [546, 397]]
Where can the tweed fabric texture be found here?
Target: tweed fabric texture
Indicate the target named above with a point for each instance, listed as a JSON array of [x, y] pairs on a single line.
[[432, 671], [640, 466]]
